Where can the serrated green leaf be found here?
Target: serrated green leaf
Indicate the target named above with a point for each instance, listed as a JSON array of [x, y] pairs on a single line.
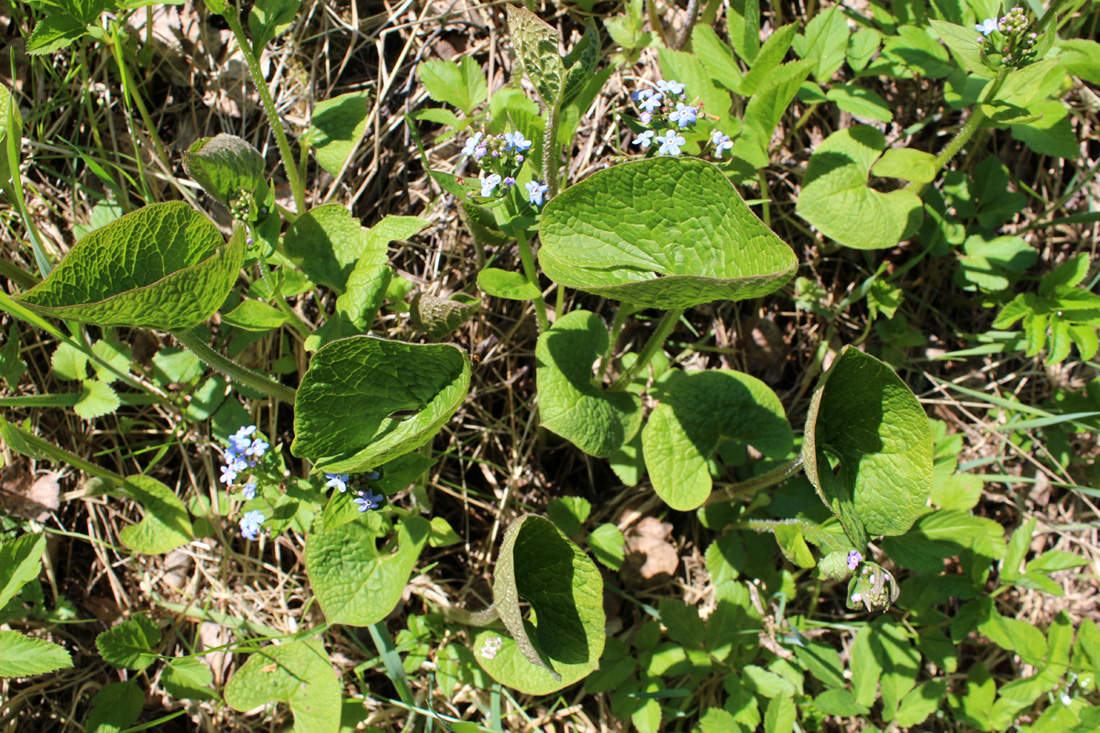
[[508, 285], [836, 199], [166, 524], [69, 363], [114, 353], [562, 640], [684, 625], [571, 404], [780, 715], [838, 701], [131, 644], [337, 126], [24, 656], [356, 583], [717, 57], [225, 166], [115, 708], [461, 86], [96, 399], [699, 413], [188, 678], [921, 702], [963, 43], [20, 562], [900, 665], [55, 32], [1052, 134], [299, 674], [743, 28], [164, 266], [663, 233], [344, 406], [914, 49], [863, 415], [826, 40], [775, 93]]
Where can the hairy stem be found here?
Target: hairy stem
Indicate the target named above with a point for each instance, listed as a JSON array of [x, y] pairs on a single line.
[[656, 341], [550, 152], [757, 483], [233, 370], [529, 270]]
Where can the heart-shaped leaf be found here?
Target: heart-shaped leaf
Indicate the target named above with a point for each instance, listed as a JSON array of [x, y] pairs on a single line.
[[166, 525], [298, 674], [164, 266], [564, 637], [226, 166], [355, 582], [866, 418], [571, 402], [506, 284], [699, 413], [343, 412], [338, 125], [836, 199], [661, 233]]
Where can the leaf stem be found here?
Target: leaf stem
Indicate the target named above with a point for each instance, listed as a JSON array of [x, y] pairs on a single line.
[[551, 157], [757, 483], [529, 270], [656, 341], [616, 329], [233, 370], [387, 650], [257, 74]]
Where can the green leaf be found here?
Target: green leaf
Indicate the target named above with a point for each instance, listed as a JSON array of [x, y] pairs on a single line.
[[356, 307], [268, 19], [96, 399], [994, 264], [23, 656], [1053, 561], [866, 418], [701, 413], [536, 46], [743, 26], [607, 544], [461, 86], [55, 32], [900, 665], [563, 638], [164, 266], [569, 514], [689, 70], [837, 200], [166, 524], [115, 708], [131, 644], [866, 669], [188, 678], [771, 55], [255, 315], [12, 367], [1080, 57], [337, 126], [906, 164], [963, 43], [298, 674], [1052, 134], [921, 702], [69, 363], [442, 534], [357, 583], [571, 403], [914, 49], [507, 285], [838, 701], [440, 317], [826, 40], [343, 412], [662, 233], [861, 103], [780, 715], [766, 108], [226, 166], [718, 58], [1069, 273], [684, 625], [20, 562], [114, 353]]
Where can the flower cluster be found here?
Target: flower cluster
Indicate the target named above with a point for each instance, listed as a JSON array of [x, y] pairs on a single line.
[[501, 157], [250, 524], [872, 587], [243, 453], [365, 498], [1007, 37], [664, 110]]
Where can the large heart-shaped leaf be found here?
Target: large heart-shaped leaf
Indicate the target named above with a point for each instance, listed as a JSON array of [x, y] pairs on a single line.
[[698, 414], [836, 199], [356, 583], [164, 266], [571, 402], [863, 416], [343, 412], [562, 640], [661, 233], [298, 674]]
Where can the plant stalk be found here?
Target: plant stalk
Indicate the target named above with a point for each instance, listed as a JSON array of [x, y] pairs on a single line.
[[551, 157], [233, 370], [530, 272], [656, 341], [757, 483]]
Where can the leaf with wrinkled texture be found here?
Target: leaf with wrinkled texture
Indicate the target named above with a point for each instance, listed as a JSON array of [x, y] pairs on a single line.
[[224, 165], [298, 674], [536, 44]]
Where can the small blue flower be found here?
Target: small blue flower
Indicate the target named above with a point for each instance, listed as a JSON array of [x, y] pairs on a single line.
[[372, 475], [337, 481], [250, 524], [641, 94], [249, 492], [535, 192], [720, 142], [645, 118], [516, 143], [239, 441], [684, 115], [368, 500], [670, 143], [644, 139], [257, 449], [854, 559], [509, 181], [652, 102], [671, 87], [472, 144], [228, 475], [987, 26], [488, 184]]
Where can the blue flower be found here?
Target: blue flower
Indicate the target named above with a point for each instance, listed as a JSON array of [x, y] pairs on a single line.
[[488, 184], [250, 524], [337, 481], [641, 94], [239, 441], [509, 181], [644, 139], [854, 559], [229, 475], [684, 115], [720, 142], [516, 143], [368, 500], [671, 87], [988, 26], [535, 191], [670, 143], [652, 102], [645, 118], [472, 144], [249, 492], [257, 448]]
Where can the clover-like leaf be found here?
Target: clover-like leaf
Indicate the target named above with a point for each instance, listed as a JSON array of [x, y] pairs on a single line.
[[699, 413], [571, 403], [166, 525], [536, 44], [225, 165], [562, 640], [164, 266], [661, 233], [298, 674], [337, 126], [866, 418], [344, 410], [836, 199], [355, 582]]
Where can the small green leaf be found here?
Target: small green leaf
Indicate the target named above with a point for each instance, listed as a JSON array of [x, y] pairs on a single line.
[[536, 45], [780, 715], [837, 200], [921, 702], [356, 583], [442, 534], [440, 317], [299, 674], [188, 678], [461, 86], [826, 40], [20, 562], [1052, 134], [55, 32], [166, 525], [607, 545], [859, 102], [838, 701], [115, 354], [268, 19], [337, 126], [684, 625], [69, 363], [866, 669], [164, 266], [662, 233], [343, 412], [569, 514], [771, 55], [717, 57], [571, 403], [906, 164], [24, 656], [96, 399], [775, 93], [225, 166], [507, 285], [912, 48], [255, 315], [356, 307], [900, 664], [131, 644], [866, 418], [115, 708]]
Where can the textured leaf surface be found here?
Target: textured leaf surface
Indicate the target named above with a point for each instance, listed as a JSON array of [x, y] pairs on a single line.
[[536, 44], [563, 639], [355, 582], [224, 165], [299, 674], [836, 199], [164, 266], [166, 524], [571, 403], [130, 644], [337, 125], [663, 233], [96, 399], [864, 416], [23, 656], [343, 411], [461, 85], [698, 413]]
